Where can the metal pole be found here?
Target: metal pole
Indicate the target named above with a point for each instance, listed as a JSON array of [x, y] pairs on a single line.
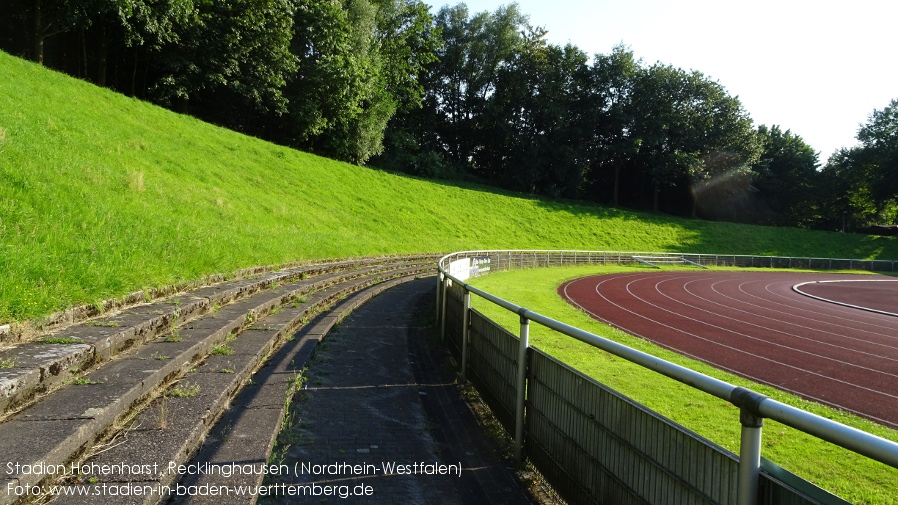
[[750, 444], [443, 311], [749, 465], [439, 286], [522, 388], [465, 322]]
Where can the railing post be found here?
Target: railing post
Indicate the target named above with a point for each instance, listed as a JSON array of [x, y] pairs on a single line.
[[444, 290], [749, 463], [439, 289], [750, 444], [522, 387], [465, 323]]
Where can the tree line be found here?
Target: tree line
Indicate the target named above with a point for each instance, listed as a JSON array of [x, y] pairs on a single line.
[[458, 95]]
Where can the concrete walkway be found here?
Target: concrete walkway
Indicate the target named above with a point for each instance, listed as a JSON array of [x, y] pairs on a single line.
[[381, 419]]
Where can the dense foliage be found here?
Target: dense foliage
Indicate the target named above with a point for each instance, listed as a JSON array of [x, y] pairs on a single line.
[[455, 94]]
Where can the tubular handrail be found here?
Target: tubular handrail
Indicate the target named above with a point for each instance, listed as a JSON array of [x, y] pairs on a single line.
[[861, 442]]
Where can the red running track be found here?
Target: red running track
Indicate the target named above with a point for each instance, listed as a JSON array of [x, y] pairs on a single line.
[[821, 347]]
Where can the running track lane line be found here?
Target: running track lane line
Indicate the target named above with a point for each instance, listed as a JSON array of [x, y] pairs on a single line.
[[795, 376]]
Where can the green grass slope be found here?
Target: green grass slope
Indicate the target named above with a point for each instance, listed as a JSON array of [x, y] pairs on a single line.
[[101, 195]]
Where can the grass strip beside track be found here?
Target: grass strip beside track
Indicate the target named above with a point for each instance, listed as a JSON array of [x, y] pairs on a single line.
[[842, 472]]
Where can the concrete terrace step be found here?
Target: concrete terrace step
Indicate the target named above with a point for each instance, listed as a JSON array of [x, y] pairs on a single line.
[[43, 365], [61, 426], [246, 430]]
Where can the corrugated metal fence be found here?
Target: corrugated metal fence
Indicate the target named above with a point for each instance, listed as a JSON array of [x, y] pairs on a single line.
[[593, 444], [609, 449]]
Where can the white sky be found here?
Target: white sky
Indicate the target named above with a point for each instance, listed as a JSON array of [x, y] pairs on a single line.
[[818, 68]]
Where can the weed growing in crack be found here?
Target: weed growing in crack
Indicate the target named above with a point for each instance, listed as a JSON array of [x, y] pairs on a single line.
[[175, 334], [297, 300], [222, 350], [84, 381], [59, 340], [107, 324], [183, 390]]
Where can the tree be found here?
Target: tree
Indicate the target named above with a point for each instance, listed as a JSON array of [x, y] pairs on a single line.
[[848, 201], [534, 133], [610, 112], [474, 50], [43, 19], [861, 181], [786, 179], [340, 103], [408, 40], [97, 28], [689, 135], [879, 154], [232, 58], [399, 40]]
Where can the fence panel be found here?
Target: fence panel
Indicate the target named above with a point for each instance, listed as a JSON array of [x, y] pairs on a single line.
[[604, 448], [882, 266], [492, 367]]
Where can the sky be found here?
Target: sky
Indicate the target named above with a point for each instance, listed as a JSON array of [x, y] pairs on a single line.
[[816, 68]]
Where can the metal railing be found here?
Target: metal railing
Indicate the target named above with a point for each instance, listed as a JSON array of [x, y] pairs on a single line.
[[564, 425]]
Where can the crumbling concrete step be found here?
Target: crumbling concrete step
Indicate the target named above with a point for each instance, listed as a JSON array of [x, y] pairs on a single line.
[[26, 331], [56, 429], [162, 437], [246, 433], [40, 367]]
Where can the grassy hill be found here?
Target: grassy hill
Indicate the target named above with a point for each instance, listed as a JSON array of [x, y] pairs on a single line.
[[101, 195]]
